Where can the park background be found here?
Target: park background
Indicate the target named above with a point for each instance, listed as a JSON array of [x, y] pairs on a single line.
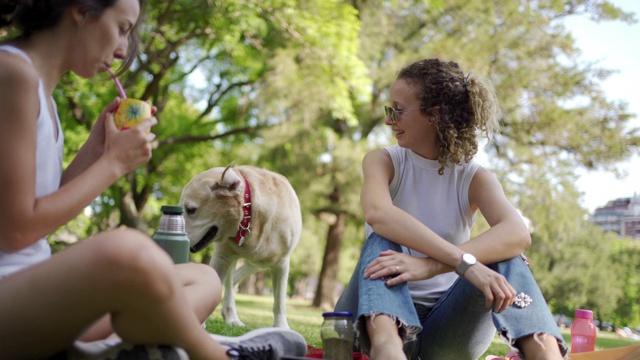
[[298, 87]]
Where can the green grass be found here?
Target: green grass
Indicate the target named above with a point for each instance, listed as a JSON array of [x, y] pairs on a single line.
[[256, 312]]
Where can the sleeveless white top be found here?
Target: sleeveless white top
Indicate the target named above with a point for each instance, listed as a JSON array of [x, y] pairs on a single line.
[[49, 152], [441, 202]]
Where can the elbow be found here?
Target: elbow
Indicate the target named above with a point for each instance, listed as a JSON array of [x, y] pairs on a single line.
[[374, 217], [524, 238], [11, 242]]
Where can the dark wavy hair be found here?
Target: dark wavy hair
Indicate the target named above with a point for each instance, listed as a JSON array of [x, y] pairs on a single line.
[[32, 16], [458, 106]]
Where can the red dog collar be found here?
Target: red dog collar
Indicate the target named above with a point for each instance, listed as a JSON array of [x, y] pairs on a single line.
[[245, 224]]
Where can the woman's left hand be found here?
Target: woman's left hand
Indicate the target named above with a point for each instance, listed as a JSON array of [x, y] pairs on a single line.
[[97, 136], [396, 267], [498, 293], [95, 141]]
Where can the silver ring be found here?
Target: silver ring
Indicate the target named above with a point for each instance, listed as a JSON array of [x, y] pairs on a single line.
[[397, 269]]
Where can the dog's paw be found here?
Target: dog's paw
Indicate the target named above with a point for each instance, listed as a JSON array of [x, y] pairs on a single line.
[[235, 322]]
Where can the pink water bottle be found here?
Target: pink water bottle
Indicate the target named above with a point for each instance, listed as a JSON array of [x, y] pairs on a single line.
[[583, 332]]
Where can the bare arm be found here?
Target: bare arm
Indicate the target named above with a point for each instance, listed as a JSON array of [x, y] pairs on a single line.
[[94, 147], [393, 223], [402, 228], [27, 218], [508, 235]]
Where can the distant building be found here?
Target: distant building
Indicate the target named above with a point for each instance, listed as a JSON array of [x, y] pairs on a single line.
[[621, 216]]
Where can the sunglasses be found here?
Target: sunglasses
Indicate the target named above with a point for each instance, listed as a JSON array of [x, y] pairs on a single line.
[[393, 114]]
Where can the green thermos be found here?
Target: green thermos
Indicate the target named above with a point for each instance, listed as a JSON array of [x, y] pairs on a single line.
[[171, 235]]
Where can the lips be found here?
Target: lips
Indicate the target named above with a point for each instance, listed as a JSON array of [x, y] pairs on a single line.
[[206, 240]]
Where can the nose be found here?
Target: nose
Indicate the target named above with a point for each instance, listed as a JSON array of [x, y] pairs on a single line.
[[122, 49], [388, 120]]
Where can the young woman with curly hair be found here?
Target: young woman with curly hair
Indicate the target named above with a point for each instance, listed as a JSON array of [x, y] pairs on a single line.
[[422, 283]]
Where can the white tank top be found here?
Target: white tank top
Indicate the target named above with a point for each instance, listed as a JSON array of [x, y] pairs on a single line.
[[441, 202], [49, 151]]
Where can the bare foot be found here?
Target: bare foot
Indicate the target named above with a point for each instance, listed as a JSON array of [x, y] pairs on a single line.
[[386, 343], [540, 347]]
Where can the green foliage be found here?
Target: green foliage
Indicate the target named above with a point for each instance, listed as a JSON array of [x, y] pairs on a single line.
[[627, 260], [297, 86]]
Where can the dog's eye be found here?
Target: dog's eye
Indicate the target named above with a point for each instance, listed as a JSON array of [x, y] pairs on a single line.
[[190, 210]]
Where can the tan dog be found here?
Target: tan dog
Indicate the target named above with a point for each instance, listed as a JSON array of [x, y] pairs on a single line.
[[260, 223]]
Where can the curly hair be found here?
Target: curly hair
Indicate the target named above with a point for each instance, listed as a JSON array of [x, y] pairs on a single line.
[[458, 105], [32, 16]]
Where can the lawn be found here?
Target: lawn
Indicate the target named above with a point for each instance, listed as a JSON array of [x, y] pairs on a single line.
[[255, 312]]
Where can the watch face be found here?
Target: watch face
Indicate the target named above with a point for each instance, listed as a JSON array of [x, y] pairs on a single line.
[[469, 259]]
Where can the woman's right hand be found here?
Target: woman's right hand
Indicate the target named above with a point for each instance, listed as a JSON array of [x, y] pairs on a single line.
[[497, 291], [131, 148]]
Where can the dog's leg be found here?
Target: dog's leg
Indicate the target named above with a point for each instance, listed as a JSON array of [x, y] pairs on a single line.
[[245, 270], [280, 276], [224, 266]]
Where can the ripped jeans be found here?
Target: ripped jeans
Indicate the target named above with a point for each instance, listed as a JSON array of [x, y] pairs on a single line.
[[458, 326]]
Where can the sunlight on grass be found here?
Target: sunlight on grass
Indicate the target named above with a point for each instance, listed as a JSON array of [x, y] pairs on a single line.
[[256, 312]]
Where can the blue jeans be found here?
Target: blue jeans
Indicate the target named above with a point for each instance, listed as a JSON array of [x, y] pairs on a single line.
[[458, 326]]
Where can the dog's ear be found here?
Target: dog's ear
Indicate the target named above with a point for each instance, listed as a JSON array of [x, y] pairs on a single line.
[[230, 179]]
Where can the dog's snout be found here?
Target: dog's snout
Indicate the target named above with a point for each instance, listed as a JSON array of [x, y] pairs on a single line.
[[206, 239]]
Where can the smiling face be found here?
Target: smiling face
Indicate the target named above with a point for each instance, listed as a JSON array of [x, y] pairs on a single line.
[[103, 38], [413, 130]]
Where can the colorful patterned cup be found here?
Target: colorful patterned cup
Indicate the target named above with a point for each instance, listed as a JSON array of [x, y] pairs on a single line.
[[130, 112]]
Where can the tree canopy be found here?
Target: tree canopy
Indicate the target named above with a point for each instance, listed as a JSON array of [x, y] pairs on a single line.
[[297, 86]]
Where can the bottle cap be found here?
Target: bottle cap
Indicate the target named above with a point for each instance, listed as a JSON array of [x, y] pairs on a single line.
[[584, 314], [172, 209], [338, 314]]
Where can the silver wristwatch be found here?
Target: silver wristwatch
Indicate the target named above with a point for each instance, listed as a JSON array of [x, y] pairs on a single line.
[[467, 261]]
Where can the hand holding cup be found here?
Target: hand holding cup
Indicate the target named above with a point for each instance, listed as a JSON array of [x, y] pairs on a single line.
[[130, 112]]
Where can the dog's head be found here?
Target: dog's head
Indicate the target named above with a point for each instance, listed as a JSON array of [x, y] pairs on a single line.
[[212, 202]]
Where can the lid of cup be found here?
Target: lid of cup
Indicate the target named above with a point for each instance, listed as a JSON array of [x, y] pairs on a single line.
[[584, 314], [172, 209], [338, 314]]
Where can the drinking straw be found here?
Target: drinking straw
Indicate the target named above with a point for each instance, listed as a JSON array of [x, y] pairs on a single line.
[[118, 85]]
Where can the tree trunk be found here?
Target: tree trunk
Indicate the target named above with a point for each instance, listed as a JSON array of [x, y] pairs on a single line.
[[253, 284], [326, 296], [129, 214]]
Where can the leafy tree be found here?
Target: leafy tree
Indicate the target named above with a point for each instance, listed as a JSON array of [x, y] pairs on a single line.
[[556, 117], [206, 71], [627, 260], [297, 86]]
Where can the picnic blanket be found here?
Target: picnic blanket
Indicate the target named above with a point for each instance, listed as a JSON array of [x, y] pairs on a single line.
[[622, 353], [316, 353], [116, 350]]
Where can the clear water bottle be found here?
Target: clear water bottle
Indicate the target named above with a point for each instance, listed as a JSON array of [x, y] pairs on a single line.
[[583, 332], [171, 235], [337, 335]]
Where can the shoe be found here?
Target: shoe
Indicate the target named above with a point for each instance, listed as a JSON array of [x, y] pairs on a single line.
[[116, 350], [242, 353], [282, 341]]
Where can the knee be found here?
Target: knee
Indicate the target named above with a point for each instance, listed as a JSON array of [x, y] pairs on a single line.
[[131, 260], [205, 277]]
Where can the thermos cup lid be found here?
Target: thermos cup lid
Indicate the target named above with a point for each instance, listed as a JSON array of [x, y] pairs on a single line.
[[338, 314], [172, 209]]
